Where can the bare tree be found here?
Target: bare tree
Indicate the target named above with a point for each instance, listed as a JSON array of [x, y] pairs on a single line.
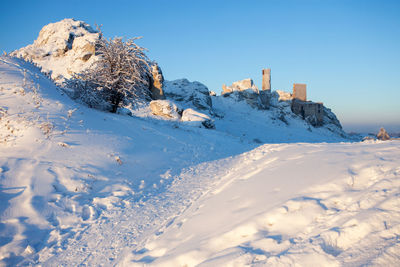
[[120, 74]]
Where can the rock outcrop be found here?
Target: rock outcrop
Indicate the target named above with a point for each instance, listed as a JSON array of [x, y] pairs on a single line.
[[244, 90], [383, 135], [330, 118], [241, 86], [62, 48], [68, 47], [197, 119], [165, 108], [284, 96], [188, 94], [169, 110], [157, 82]]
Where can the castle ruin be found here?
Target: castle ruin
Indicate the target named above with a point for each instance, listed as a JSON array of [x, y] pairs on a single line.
[[266, 79], [300, 91], [265, 94], [312, 112], [308, 110]]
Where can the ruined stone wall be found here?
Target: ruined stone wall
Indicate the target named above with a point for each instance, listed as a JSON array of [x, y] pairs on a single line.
[[311, 111]]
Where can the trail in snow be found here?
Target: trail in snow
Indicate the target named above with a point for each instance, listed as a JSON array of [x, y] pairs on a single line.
[[304, 204], [59, 168], [83, 187]]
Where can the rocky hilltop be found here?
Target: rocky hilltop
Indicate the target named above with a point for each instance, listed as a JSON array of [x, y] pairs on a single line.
[[62, 48], [69, 46]]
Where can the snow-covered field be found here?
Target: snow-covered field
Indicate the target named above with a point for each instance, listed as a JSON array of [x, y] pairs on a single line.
[[294, 204], [84, 187]]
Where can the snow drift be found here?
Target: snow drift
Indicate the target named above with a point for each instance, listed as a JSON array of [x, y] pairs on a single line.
[[79, 186], [83, 187]]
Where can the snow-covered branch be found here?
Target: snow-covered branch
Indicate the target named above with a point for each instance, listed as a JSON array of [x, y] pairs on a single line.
[[121, 74]]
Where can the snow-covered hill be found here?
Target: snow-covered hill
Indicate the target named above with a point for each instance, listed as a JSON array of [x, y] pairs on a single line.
[[290, 205], [64, 165], [67, 47], [83, 187]]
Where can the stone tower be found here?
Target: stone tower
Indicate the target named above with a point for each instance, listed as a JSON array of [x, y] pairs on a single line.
[[266, 79], [300, 91], [265, 94]]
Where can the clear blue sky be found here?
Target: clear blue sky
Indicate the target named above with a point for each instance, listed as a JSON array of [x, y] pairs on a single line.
[[347, 52]]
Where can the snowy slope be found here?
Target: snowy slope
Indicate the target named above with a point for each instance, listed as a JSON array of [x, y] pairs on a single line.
[[59, 161], [277, 125], [84, 187], [299, 204]]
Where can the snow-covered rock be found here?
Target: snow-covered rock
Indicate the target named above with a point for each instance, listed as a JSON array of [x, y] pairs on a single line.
[[331, 122], [197, 119], [68, 47], [189, 94], [243, 90], [165, 108], [242, 85], [62, 48], [251, 97], [282, 100]]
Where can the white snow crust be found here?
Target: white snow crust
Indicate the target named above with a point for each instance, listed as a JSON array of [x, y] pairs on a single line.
[[290, 205], [80, 187]]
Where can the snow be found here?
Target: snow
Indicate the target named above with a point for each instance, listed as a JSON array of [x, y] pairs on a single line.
[[335, 204], [84, 187], [192, 117], [165, 108], [188, 94]]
